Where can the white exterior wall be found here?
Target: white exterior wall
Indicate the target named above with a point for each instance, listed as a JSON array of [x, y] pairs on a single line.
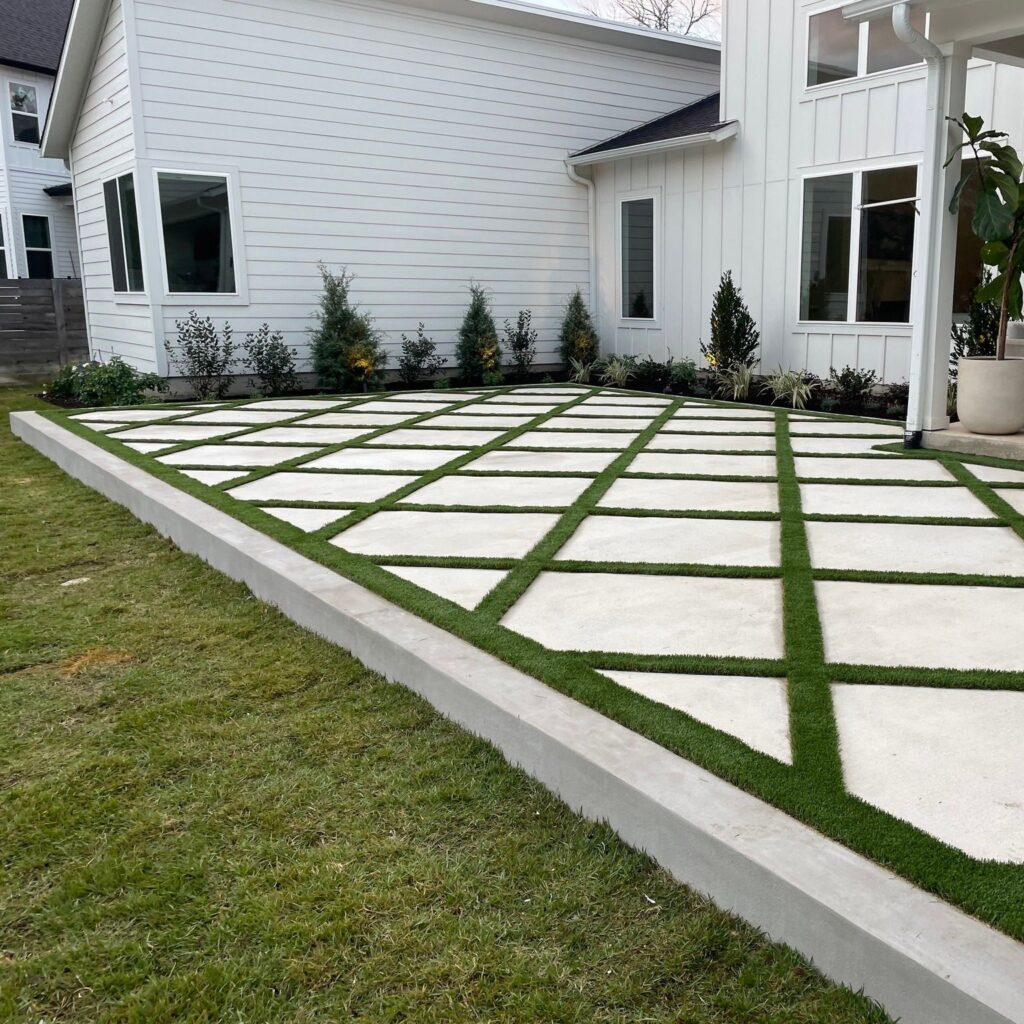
[[738, 206], [102, 147], [422, 150], [23, 176]]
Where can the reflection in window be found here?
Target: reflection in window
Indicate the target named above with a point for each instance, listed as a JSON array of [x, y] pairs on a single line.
[[885, 268], [968, 272], [3, 252], [825, 250], [38, 249], [123, 234], [24, 113], [885, 51], [638, 259], [196, 222], [832, 48]]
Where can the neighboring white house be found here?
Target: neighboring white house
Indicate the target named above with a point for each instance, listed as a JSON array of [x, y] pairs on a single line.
[[803, 184], [37, 224], [221, 148]]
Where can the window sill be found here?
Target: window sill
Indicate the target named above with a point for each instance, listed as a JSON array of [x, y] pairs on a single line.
[[131, 298], [869, 78], [858, 324], [196, 299]]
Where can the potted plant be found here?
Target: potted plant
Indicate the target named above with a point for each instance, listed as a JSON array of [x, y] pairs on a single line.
[[990, 389]]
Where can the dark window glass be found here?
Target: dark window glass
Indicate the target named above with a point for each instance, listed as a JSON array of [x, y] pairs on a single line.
[[26, 129], [885, 51], [886, 258], [123, 234], [638, 259], [196, 224], [825, 250], [37, 232], [968, 248], [3, 264], [833, 45], [40, 264]]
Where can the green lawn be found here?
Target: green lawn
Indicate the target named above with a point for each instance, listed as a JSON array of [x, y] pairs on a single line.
[[207, 814]]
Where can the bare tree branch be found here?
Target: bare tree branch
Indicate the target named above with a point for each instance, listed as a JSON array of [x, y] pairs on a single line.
[[681, 16]]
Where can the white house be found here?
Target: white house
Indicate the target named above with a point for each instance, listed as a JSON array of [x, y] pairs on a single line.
[[223, 147], [37, 224]]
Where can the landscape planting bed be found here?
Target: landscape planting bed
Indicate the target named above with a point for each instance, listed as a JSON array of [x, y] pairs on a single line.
[[785, 599]]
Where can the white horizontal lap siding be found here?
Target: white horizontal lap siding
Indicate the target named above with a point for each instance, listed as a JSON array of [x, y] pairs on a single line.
[[28, 198], [103, 145], [421, 150]]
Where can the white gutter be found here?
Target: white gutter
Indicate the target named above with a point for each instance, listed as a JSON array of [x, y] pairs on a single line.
[[924, 334], [588, 183], [727, 131]]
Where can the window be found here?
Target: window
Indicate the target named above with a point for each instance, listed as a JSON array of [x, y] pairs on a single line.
[[24, 113], [638, 259], [838, 49], [885, 268], [3, 253], [825, 267], [196, 220], [38, 250], [123, 234], [969, 266], [857, 246]]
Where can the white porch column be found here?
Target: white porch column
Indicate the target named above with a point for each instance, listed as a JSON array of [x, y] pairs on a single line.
[[932, 309]]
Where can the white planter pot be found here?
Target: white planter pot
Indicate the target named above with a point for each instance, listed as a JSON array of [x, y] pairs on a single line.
[[990, 395]]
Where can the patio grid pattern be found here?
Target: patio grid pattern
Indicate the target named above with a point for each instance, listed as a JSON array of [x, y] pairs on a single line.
[[824, 620]]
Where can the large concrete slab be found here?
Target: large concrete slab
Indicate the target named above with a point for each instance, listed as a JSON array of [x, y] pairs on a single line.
[[171, 432], [128, 415], [243, 416], [754, 709], [300, 435], [465, 587], [947, 761], [423, 436], [505, 460], [892, 500], [996, 474], [359, 418], [412, 459], [927, 962], [704, 465], [711, 443], [235, 455], [345, 488], [845, 428], [573, 439], [1014, 498], [537, 491], [922, 625], [692, 495], [583, 611], [871, 469]]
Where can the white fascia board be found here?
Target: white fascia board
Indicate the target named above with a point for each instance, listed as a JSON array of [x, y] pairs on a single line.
[[727, 131]]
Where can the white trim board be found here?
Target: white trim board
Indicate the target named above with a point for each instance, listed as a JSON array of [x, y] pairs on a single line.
[[863, 926]]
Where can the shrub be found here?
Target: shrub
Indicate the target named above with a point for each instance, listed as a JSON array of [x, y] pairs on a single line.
[[581, 372], [683, 376], [521, 342], [478, 352], [96, 383], [344, 335], [652, 374], [851, 386], [734, 335], [734, 382], [619, 371], [577, 338], [789, 386], [829, 404], [364, 363], [272, 362], [419, 358], [202, 356], [977, 336]]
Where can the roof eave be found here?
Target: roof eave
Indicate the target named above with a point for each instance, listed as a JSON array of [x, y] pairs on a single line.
[[720, 134], [80, 44], [23, 65]]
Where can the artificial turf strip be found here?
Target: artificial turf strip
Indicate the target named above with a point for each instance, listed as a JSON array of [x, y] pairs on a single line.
[[209, 814], [992, 892]]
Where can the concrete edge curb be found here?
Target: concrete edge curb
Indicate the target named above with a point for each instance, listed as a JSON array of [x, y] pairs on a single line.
[[925, 961]]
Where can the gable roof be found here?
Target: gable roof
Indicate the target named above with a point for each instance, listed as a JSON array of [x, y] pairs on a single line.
[[33, 33], [695, 121]]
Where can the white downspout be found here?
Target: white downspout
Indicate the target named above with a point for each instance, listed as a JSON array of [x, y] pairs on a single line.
[[924, 335], [588, 183]]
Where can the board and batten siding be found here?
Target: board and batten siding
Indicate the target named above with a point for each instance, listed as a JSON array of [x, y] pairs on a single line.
[[102, 147], [738, 205], [421, 150]]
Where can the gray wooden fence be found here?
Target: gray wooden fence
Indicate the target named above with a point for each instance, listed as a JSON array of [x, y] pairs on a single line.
[[42, 325]]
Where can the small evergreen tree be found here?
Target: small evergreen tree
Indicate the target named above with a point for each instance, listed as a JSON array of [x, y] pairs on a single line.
[[478, 352], [522, 343], [419, 358], [344, 336], [734, 335], [272, 362], [577, 340]]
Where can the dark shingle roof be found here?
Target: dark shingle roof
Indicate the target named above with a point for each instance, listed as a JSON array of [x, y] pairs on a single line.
[[32, 33], [695, 119]]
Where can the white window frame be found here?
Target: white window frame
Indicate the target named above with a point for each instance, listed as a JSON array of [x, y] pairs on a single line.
[[8, 82], [862, 53], [629, 197], [129, 293], [8, 247], [37, 248], [240, 296], [856, 206]]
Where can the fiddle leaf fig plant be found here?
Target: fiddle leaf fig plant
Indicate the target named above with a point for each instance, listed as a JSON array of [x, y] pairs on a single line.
[[998, 219]]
